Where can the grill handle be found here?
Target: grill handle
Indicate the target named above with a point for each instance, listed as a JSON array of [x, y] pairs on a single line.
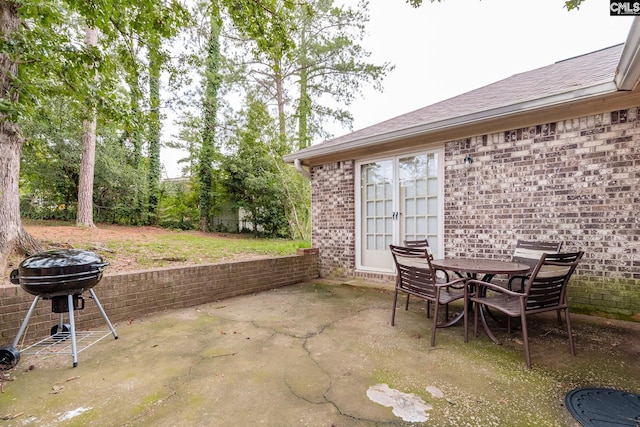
[[14, 277], [100, 265]]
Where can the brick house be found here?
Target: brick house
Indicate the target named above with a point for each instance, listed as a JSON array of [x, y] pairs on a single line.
[[555, 156]]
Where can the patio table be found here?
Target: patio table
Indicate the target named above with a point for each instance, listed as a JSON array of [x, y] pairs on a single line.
[[488, 268]]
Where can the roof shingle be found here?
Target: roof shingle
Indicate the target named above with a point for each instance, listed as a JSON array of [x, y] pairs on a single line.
[[561, 77]]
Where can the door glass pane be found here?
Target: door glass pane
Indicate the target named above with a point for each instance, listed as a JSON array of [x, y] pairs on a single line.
[[432, 206], [421, 187], [409, 225], [432, 186], [409, 207], [371, 192], [376, 183], [432, 223], [418, 181]]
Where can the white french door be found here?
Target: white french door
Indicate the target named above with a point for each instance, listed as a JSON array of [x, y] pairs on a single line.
[[398, 198]]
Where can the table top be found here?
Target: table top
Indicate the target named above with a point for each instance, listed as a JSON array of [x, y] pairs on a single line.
[[480, 265]]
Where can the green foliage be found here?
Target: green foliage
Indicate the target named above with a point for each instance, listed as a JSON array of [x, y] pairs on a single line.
[[267, 22], [570, 4], [573, 4], [252, 179], [330, 64], [51, 162], [178, 206]]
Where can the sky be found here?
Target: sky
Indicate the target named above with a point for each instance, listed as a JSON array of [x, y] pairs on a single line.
[[444, 49]]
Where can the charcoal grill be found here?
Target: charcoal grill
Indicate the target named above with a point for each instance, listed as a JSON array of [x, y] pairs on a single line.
[[60, 275]]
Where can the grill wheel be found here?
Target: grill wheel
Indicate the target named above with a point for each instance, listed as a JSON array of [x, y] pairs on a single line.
[[9, 357]]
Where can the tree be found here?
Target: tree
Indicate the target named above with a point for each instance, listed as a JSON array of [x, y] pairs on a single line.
[[326, 62], [87, 166], [12, 234], [41, 38], [212, 82], [262, 22], [329, 62], [570, 4], [155, 63], [252, 177]]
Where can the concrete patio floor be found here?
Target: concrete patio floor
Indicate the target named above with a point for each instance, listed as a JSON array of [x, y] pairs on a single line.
[[317, 354]]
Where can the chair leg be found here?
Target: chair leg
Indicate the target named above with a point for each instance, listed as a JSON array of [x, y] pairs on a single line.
[[428, 309], [568, 321], [393, 308], [525, 338], [475, 319], [465, 315], [435, 324], [406, 306]]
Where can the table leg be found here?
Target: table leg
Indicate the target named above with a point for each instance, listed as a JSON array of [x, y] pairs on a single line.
[[486, 326]]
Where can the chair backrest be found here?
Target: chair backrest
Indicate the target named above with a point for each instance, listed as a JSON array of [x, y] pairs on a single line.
[[421, 244], [414, 270], [546, 288], [529, 252]]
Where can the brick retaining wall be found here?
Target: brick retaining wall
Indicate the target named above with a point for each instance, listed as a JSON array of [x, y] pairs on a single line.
[[126, 296]]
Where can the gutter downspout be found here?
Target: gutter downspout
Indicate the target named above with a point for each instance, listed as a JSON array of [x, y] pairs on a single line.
[[298, 164]]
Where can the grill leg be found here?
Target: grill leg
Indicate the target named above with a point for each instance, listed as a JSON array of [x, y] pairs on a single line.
[[104, 315], [25, 322], [60, 323], [72, 322]]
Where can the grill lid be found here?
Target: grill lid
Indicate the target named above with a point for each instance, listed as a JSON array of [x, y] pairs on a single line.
[[60, 261], [59, 271]]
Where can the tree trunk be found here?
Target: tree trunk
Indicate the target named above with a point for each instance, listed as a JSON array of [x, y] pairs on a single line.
[[304, 103], [13, 237], [282, 129], [87, 165], [212, 86], [154, 129]]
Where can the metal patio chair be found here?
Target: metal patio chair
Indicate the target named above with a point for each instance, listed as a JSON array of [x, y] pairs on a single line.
[[416, 276], [444, 278], [545, 290], [529, 252]]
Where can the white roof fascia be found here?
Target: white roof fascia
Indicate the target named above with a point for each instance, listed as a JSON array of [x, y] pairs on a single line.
[[628, 72], [424, 129]]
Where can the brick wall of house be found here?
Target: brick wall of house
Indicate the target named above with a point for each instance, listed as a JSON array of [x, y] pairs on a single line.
[[333, 217], [577, 181], [126, 296]]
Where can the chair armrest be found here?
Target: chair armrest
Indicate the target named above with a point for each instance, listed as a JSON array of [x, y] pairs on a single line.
[[493, 287], [453, 283]]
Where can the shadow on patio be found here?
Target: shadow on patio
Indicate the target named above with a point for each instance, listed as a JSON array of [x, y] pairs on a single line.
[[312, 354]]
